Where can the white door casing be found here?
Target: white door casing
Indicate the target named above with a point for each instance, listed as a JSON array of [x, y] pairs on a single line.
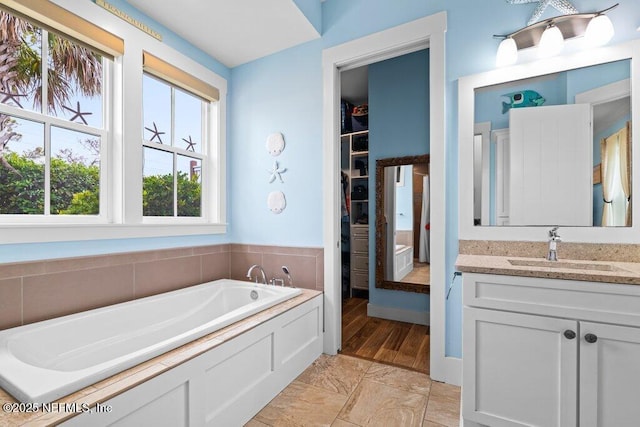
[[406, 38]]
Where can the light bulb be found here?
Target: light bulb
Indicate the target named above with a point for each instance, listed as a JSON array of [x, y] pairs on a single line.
[[551, 42], [507, 52], [599, 31]]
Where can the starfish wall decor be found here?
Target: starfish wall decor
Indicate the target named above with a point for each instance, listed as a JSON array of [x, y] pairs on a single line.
[[7, 97], [563, 6], [275, 172], [190, 144], [77, 113], [155, 133]]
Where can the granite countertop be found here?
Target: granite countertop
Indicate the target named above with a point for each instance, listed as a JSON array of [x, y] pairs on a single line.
[[591, 271], [123, 381]]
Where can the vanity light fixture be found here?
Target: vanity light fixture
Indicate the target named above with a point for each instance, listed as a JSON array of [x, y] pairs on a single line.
[[549, 35], [551, 41]]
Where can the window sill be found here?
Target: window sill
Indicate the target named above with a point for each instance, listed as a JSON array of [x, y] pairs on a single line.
[[38, 233]]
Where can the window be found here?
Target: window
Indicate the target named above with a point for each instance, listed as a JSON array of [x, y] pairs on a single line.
[[52, 126], [66, 153], [176, 110], [174, 145]]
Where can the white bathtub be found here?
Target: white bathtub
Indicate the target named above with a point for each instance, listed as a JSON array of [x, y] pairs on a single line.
[[44, 361]]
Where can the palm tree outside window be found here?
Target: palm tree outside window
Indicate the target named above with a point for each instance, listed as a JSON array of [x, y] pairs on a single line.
[[52, 126]]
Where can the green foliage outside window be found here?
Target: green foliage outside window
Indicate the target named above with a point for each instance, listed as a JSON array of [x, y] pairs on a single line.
[[157, 195], [73, 186]]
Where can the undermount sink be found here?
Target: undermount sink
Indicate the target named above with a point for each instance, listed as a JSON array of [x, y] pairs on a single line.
[[590, 266]]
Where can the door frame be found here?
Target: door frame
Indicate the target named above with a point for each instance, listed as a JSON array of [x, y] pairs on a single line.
[[427, 32]]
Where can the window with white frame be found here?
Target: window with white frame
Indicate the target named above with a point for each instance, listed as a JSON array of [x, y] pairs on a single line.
[[176, 111], [52, 122], [174, 147], [65, 155]]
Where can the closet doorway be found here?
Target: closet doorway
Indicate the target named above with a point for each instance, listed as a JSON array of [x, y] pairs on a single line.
[[427, 32], [383, 106]]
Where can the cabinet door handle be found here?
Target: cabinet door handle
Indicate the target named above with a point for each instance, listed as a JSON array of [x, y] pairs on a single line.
[[590, 338], [569, 334]]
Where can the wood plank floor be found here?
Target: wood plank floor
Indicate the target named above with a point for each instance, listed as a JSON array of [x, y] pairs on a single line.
[[396, 343]]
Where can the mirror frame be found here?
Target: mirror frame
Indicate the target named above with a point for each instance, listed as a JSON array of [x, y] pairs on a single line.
[[379, 234], [466, 120]]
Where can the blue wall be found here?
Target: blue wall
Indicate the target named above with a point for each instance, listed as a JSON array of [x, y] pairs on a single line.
[[470, 48], [266, 98], [398, 126], [312, 11]]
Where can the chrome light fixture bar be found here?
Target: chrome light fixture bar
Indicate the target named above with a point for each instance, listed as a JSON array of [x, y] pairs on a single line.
[[550, 34]]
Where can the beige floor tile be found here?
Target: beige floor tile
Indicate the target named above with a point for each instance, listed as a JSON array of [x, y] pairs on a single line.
[[340, 374], [375, 404], [444, 405], [425, 424], [342, 423], [301, 404], [411, 381], [255, 423]]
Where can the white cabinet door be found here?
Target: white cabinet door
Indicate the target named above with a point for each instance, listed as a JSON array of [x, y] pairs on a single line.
[[519, 370], [609, 375], [551, 166]]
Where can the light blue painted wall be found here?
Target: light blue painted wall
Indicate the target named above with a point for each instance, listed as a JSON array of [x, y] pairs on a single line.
[[404, 201], [398, 126], [470, 48], [312, 11], [589, 78], [41, 251], [488, 101], [279, 93]]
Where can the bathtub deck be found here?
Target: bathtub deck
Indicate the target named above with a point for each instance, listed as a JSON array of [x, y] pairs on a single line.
[[119, 383]]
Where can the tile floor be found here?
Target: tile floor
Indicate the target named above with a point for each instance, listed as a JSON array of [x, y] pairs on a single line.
[[344, 391]]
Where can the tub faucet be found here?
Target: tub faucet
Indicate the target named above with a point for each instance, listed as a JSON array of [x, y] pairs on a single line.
[[264, 276], [554, 238], [285, 270]]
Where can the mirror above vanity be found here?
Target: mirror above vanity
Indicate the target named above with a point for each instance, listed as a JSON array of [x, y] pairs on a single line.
[[551, 143]]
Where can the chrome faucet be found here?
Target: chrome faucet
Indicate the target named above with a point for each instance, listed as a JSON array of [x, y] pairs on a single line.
[[264, 276], [554, 238], [285, 270]]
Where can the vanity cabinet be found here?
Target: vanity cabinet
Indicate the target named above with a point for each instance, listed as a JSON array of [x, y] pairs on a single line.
[[547, 352]]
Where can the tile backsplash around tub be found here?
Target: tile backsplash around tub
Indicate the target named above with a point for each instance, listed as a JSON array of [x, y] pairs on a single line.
[[40, 290]]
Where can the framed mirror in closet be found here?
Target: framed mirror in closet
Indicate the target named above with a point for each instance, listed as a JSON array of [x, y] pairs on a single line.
[[402, 223]]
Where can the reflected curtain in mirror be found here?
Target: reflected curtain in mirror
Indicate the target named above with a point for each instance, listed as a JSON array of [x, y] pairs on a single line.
[[615, 151]]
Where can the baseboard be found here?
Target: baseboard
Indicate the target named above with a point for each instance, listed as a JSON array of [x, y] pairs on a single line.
[[453, 368], [398, 314]]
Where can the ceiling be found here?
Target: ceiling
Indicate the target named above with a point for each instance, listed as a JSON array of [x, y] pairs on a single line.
[[234, 32], [609, 113]]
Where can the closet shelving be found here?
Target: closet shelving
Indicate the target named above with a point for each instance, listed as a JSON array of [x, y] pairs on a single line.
[[356, 157]]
